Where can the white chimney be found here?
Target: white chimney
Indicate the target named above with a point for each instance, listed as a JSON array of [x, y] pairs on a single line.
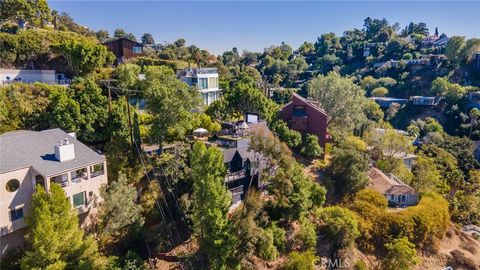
[[64, 151]]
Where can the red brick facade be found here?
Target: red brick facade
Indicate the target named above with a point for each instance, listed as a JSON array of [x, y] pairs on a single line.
[[306, 117]]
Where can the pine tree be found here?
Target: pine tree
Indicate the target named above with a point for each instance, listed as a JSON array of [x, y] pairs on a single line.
[[211, 201], [119, 211], [54, 238]]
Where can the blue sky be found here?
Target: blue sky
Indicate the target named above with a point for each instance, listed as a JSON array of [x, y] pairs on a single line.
[[254, 25]]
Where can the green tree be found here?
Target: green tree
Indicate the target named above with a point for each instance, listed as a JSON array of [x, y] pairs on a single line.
[[348, 170], [54, 239], [291, 137], [340, 224], [127, 75], [147, 38], [401, 255], [342, 100], [119, 210], [102, 35], [301, 260], [65, 111], [308, 233], [379, 92], [454, 49], [83, 57], [211, 201], [163, 91], [294, 193], [310, 147], [25, 12], [266, 247], [118, 33]]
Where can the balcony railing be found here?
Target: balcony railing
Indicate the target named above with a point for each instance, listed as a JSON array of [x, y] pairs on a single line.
[[97, 173], [235, 176]]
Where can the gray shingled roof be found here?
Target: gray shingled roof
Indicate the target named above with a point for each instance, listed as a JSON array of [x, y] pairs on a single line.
[[22, 149]]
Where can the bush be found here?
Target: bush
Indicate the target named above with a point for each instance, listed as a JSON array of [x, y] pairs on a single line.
[[291, 137], [401, 255], [266, 248], [279, 237], [301, 261], [421, 224], [360, 265], [373, 197], [340, 224], [310, 147], [308, 233], [379, 92]]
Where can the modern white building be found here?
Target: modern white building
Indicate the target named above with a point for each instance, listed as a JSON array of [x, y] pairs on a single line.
[[31, 158], [206, 81], [8, 76]]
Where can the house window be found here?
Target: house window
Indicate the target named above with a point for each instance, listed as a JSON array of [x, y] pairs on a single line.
[[12, 185], [16, 214], [299, 110], [79, 199], [62, 180], [78, 175], [96, 170], [205, 98], [137, 49], [202, 83]]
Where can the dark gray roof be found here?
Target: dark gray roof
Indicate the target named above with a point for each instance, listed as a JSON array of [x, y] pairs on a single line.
[[22, 149], [228, 154], [244, 152]]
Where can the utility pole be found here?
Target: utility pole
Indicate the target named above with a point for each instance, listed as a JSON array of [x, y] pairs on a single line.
[[126, 93], [129, 119]]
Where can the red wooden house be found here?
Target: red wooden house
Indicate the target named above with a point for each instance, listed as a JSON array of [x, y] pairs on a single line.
[[305, 116], [124, 48]]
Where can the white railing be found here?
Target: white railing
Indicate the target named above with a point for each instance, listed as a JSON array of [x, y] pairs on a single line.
[[235, 175]]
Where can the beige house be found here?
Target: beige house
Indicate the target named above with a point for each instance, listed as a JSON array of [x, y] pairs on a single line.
[[30, 158], [395, 191]]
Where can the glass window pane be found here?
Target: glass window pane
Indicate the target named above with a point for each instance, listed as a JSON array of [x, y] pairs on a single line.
[[16, 214], [79, 199]]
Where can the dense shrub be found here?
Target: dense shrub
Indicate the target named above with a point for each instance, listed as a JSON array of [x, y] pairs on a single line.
[[266, 248], [279, 237], [310, 146], [340, 224], [421, 224], [308, 233], [301, 261], [291, 137]]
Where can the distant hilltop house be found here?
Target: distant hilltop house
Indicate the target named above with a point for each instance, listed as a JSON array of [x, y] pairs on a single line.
[[425, 100], [385, 102], [434, 42], [124, 48], [395, 191], [31, 158], [305, 116], [244, 166], [9, 76], [205, 80], [407, 158]]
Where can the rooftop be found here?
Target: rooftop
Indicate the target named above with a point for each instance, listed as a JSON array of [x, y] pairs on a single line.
[[23, 149], [388, 185]]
